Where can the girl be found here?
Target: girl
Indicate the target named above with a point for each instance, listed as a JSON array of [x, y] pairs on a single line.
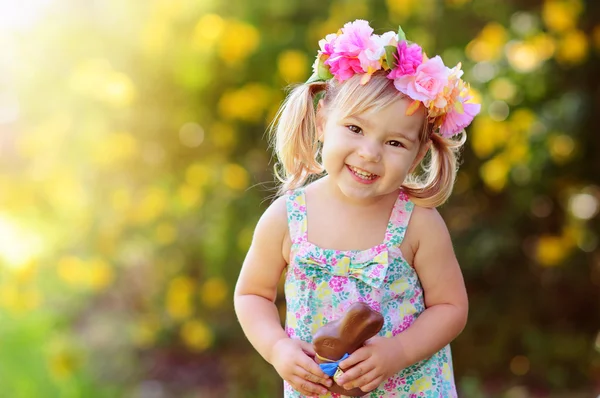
[[367, 229]]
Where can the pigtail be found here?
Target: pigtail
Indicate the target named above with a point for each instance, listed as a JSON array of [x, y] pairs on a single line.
[[294, 137], [434, 187]]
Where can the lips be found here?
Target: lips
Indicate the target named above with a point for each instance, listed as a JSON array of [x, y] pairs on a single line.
[[362, 174]]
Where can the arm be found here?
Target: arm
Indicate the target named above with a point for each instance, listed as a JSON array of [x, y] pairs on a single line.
[[254, 301], [256, 288], [446, 300], [444, 318]]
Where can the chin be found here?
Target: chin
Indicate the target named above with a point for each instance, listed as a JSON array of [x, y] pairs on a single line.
[[358, 193]]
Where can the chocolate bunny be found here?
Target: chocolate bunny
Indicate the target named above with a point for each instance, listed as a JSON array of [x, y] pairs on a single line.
[[344, 336]]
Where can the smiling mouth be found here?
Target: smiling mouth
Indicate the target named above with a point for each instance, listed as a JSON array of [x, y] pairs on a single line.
[[360, 173]]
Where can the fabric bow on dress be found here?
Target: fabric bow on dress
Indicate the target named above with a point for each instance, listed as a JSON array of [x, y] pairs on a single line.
[[371, 270]]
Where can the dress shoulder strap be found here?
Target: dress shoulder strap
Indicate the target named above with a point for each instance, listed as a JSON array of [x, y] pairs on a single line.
[[296, 215], [399, 219]]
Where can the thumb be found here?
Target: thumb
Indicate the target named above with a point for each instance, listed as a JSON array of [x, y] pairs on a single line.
[[307, 348]]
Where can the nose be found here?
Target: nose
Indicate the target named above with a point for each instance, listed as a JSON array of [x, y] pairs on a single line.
[[370, 151]]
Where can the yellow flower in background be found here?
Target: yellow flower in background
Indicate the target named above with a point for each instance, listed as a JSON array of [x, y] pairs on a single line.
[[489, 43], [99, 274], [97, 79], [114, 148], [401, 9], [196, 335], [66, 192], [544, 44], [487, 136], [222, 135], [235, 176], [550, 250], [198, 175], [293, 66], [179, 297], [238, 41], [523, 56], [151, 205], [19, 299], [561, 148], [95, 274], [207, 31], [155, 33], [573, 48], [248, 103], [213, 292], [62, 364], [495, 173], [27, 272], [522, 121], [71, 269], [561, 15], [503, 89], [190, 196]]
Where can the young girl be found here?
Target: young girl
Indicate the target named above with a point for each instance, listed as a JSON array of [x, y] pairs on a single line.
[[365, 229]]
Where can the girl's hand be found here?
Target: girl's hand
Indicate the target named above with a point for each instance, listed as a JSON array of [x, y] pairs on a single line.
[[372, 364], [293, 360]]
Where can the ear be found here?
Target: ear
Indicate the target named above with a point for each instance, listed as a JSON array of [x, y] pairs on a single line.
[[320, 120], [420, 155]]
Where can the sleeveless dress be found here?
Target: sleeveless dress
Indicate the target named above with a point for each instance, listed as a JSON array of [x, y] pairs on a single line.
[[320, 284]]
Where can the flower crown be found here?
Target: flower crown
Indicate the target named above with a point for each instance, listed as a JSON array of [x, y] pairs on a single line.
[[356, 50]]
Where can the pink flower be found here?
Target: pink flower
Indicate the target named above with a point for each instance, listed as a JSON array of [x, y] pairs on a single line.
[[327, 44], [355, 38], [407, 60], [428, 81], [343, 68], [459, 117]]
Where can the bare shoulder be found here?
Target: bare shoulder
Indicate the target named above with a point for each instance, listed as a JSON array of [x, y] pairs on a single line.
[[265, 261], [273, 222], [426, 221], [427, 234]]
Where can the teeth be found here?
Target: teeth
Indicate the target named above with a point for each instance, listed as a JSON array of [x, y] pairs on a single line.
[[362, 173]]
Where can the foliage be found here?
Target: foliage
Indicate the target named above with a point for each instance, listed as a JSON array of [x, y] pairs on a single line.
[[134, 165]]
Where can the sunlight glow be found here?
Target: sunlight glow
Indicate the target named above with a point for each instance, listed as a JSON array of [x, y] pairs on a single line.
[[22, 15], [17, 246]]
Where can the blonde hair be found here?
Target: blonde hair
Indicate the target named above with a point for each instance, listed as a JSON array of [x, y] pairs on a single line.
[[294, 136]]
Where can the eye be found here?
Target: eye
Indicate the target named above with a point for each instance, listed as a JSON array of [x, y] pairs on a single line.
[[354, 129], [396, 143]]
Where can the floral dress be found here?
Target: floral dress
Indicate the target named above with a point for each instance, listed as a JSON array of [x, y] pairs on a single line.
[[321, 284]]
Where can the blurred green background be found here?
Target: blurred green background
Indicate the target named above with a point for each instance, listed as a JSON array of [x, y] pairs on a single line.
[[134, 165]]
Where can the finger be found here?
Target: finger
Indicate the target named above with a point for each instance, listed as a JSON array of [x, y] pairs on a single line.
[[372, 385], [308, 369], [307, 348], [304, 374], [361, 381], [306, 387], [352, 375], [357, 356]]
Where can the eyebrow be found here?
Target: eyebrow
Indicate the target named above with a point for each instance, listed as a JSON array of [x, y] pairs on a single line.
[[366, 123]]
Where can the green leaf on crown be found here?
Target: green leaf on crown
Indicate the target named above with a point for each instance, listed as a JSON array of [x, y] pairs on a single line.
[[323, 70], [390, 51], [401, 35]]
